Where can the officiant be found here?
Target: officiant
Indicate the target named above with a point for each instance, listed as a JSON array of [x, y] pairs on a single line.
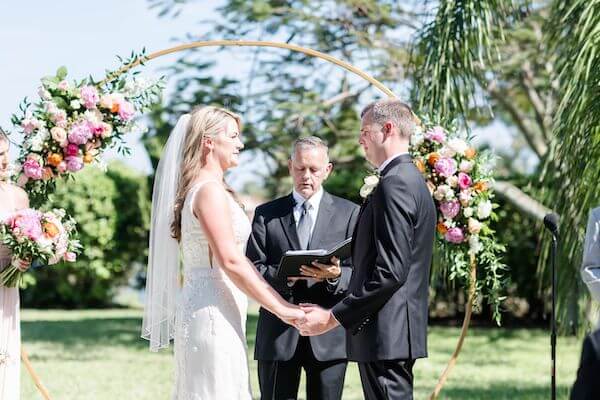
[[308, 218]]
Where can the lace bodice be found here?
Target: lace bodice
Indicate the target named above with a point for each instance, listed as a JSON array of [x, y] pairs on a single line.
[[194, 242]]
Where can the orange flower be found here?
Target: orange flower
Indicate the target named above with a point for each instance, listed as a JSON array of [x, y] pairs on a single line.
[[115, 107], [419, 164], [441, 228], [432, 159], [54, 159], [47, 173], [88, 158], [480, 186], [50, 230], [470, 153]]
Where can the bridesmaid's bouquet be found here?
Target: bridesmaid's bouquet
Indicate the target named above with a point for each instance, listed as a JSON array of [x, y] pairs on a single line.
[[46, 238]]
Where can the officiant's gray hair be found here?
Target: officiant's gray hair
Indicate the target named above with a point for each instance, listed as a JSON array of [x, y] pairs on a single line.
[[392, 110], [310, 142]]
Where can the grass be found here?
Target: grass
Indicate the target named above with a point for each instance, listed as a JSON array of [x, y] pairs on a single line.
[[97, 354]]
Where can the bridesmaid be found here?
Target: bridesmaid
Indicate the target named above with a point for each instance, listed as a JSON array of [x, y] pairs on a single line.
[[11, 198]]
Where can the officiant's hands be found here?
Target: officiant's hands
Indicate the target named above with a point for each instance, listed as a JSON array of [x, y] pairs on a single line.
[[317, 320], [320, 272]]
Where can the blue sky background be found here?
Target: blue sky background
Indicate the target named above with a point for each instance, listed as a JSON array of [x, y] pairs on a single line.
[[37, 37]]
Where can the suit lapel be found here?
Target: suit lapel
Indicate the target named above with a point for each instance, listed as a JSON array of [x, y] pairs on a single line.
[[325, 214], [355, 229], [289, 225]]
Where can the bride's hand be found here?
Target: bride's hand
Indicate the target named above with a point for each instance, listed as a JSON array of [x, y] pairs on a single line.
[[291, 314]]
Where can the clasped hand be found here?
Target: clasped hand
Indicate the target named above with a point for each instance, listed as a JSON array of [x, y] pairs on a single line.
[[313, 321]]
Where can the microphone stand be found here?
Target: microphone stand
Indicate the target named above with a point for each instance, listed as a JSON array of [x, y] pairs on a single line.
[[553, 322]]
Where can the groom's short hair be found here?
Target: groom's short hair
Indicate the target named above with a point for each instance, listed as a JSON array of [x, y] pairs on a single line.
[[310, 142], [393, 110]]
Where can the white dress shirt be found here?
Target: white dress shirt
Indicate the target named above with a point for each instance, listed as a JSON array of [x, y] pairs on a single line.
[[389, 160]]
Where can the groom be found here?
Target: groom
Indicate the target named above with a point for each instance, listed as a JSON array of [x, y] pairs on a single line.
[[385, 312]]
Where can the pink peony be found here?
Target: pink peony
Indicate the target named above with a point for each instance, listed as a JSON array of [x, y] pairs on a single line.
[[450, 209], [29, 125], [436, 134], [59, 118], [126, 110], [464, 180], [454, 235], [72, 150], [90, 97], [80, 133], [27, 223], [74, 164], [32, 169], [445, 166]]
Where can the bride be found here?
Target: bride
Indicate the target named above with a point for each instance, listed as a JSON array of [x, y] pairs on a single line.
[[197, 217]]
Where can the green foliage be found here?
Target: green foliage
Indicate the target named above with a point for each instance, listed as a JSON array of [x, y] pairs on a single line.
[[112, 212], [574, 167]]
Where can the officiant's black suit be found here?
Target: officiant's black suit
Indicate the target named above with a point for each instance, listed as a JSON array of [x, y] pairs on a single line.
[[385, 311], [280, 351]]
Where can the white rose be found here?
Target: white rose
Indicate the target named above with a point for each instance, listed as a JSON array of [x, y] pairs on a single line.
[[474, 226], [75, 104], [466, 166], [474, 244], [458, 145], [468, 212], [60, 135], [450, 195], [452, 181], [417, 138], [44, 94], [484, 209], [446, 151], [464, 197], [371, 180], [440, 192]]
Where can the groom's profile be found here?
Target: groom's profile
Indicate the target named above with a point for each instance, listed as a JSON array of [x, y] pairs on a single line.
[[308, 218], [385, 311]]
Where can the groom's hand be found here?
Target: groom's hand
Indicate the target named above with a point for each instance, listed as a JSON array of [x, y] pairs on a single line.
[[317, 320]]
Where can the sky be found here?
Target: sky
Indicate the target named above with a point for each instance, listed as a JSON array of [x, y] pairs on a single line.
[[37, 37]]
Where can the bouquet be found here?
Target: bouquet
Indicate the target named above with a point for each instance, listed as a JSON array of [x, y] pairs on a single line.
[[43, 237]]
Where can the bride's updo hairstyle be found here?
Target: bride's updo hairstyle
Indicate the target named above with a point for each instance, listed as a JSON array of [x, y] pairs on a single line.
[[205, 121]]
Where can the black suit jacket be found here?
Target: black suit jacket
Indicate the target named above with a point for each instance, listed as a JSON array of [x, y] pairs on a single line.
[[587, 385], [386, 310], [274, 233]]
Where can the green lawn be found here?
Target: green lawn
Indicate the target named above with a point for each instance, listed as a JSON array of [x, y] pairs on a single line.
[[98, 355]]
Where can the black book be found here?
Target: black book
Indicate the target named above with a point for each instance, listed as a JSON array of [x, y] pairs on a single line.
[[290, 263]]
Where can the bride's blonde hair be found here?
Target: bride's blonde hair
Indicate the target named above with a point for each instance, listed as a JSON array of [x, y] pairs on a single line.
[[205, 121]]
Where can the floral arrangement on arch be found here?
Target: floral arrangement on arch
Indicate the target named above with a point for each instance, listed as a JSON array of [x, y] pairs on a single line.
[[75, 121], [71, 125], [459, 179]]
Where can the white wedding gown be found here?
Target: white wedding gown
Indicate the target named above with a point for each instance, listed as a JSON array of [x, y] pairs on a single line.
[[210, 323]]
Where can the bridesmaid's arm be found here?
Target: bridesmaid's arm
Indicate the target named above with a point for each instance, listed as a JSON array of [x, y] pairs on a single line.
[[211, 207], [21, 200]]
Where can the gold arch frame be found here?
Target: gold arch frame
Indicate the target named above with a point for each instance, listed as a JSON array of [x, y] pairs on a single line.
[[347, 66]]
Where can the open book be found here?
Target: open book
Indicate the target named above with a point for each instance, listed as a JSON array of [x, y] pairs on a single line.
[[290, 263]]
